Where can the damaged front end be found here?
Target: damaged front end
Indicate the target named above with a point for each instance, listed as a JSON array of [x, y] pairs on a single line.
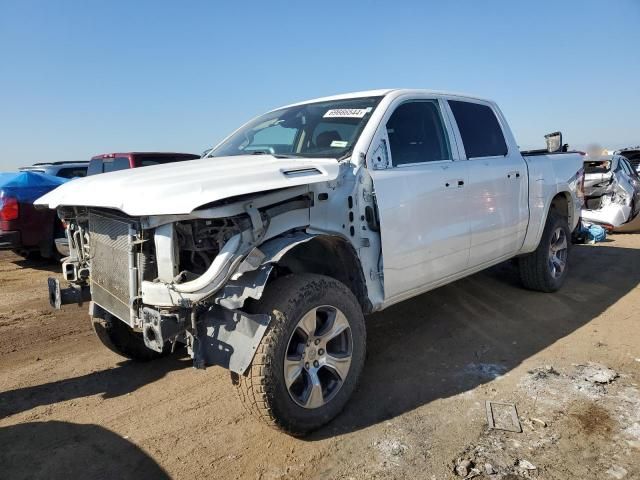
[[185, 278], [612, 194]]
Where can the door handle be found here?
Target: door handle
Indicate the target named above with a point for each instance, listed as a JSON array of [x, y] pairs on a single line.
[[513, 174], [459, 182]]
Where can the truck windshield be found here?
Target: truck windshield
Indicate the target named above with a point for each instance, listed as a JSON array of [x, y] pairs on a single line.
[[323, 129]]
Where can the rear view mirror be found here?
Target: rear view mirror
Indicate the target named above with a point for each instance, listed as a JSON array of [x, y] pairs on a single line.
[[554, 142], [294, 118]]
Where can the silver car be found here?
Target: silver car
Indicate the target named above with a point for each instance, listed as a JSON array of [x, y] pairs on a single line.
[[612, 193]]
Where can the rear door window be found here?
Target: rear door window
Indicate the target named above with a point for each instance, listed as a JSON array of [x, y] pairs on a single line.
[[417, 134], [628, 168], [479, 128]]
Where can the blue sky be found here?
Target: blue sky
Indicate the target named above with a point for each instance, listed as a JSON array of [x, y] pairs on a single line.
[[87, 77]]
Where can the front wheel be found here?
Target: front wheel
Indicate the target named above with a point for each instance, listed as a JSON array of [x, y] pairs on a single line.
[[309, 361], [546, 268]]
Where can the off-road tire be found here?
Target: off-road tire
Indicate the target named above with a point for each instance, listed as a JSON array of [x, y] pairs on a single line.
[[535, 272], [119, 338], [262, 389]]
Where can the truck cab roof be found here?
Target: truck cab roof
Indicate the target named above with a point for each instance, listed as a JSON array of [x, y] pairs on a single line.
[[110, 162], [395, 92], [65, 169]]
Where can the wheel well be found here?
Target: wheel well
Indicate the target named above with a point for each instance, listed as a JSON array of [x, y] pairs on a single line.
[[331, 256], [560, 204]]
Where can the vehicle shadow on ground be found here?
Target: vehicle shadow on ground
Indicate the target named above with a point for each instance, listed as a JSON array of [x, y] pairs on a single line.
[[465, 334], [68, 450], [39, 263], [125, 378]]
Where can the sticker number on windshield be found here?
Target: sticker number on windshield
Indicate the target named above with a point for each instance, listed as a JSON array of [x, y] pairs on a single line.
[[347, 112]]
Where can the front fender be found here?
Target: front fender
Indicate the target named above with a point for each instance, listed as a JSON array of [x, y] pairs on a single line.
[[251, 277]]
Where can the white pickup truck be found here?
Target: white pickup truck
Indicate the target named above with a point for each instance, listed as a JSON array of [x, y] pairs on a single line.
[[265, 255]]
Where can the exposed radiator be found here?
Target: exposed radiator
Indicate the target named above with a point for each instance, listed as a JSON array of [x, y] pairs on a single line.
[[109, 247]]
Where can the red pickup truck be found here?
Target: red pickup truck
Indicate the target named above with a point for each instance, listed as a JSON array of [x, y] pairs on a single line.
[[110, 162]]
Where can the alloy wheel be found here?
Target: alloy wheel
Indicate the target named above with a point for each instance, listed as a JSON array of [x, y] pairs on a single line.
[[318, 357], [558, 250]]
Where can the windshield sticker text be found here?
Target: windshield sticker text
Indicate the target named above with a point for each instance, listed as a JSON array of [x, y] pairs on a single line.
[[347, 112]]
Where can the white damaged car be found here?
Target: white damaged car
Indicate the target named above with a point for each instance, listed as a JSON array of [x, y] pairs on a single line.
[[265, 255], [612, 193]]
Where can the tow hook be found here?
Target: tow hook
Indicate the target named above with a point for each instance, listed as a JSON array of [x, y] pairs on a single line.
[[198, 345], [159, 328], [64, 296]]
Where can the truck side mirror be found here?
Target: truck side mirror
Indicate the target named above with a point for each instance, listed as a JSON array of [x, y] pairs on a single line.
[[554, 142], [380, 156]]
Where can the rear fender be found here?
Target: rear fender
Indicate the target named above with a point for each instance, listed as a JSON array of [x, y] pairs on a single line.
[[539, 212]]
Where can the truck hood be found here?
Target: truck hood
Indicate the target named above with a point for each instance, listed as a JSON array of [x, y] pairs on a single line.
[[179, 188]]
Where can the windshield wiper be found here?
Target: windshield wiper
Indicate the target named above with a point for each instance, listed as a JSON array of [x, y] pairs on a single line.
[[347, 154], [276, 155], [287, 155]]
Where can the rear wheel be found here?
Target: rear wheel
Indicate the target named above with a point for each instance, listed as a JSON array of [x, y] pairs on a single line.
[[546, 268], [119, 338], [308, 363]]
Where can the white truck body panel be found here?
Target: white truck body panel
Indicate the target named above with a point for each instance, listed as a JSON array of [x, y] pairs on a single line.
[[435, 231]]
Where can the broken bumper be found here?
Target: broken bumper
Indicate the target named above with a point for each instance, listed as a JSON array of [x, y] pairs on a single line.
[[617, 216], [612, 214], [65, 296]]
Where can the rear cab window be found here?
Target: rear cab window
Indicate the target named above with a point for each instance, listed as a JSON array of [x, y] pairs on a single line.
[[479, 128], [105, 165], [148, 160], [95, 166], [115, 164]]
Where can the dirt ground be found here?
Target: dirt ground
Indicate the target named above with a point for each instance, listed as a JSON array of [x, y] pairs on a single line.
[[69, 408]]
